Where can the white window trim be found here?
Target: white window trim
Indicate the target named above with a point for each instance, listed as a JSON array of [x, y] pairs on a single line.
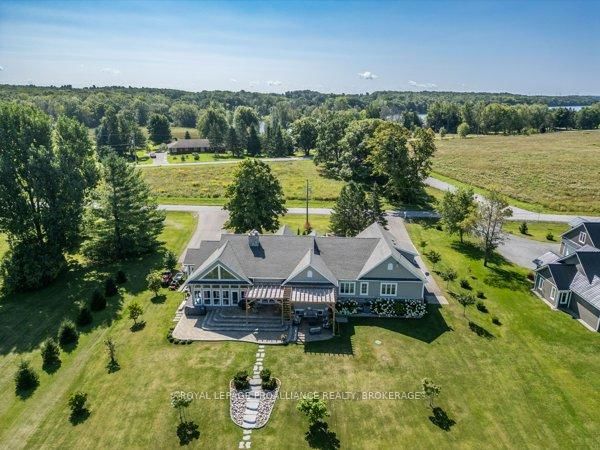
[[566, 299], [348, 283], [539, 282], [220, 267], [582, 237], [395, 285], [364, 283], [553, 292], [390, 266], [309, 273]]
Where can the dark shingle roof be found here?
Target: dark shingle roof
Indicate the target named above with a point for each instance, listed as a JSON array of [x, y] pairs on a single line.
[[279, 255], [563, 275], [190, 143], [593, 229]]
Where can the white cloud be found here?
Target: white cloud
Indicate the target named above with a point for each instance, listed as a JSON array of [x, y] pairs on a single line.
[[1, 68], [254, 83], [422, 85], [233, 80], [274, 83], [367, 75], [111, 70]]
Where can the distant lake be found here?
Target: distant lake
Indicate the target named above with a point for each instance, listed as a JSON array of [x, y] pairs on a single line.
[[573, 108]]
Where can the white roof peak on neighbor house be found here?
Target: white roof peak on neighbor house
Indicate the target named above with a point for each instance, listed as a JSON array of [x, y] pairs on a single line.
[[313, 261]]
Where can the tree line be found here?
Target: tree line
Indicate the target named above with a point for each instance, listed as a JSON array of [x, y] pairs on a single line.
[[59, 195]]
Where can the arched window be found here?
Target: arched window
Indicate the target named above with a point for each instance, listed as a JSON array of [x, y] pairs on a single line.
[[390, 266], [309, 274]]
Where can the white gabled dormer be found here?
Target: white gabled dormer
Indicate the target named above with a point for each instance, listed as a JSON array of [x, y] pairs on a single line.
[[311, 269]]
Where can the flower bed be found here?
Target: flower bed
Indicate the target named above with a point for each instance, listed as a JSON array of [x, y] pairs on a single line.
[[409, 309], [346, 307]]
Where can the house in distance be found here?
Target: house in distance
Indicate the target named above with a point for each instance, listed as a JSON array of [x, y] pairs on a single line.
[[189, 146]]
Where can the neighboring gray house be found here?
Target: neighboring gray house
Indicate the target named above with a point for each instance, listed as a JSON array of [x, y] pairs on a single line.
[[306, 273], [189, 146], [571, 281]]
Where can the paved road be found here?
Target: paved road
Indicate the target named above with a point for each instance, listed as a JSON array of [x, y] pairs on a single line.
[[519, 214]]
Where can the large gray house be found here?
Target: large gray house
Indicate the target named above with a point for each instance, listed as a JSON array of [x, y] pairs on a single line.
[[189, 146], [570, 281], [305, 274]]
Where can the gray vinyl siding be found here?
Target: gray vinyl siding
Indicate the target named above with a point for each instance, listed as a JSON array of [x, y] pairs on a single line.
[[546, 290], [584, 311], [408, 290], [398, 272], [303, 278]]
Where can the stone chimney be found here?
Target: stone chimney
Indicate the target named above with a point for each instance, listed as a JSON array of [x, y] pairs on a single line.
[[253, 238]]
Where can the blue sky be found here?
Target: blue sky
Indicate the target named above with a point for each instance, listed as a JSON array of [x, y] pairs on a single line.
[[531, 47]]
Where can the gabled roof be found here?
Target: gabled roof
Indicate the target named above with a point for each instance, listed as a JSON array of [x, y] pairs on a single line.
[[189, 143], [278, 256], [315, 262], [224, 256], [593, 229], [562, 274]]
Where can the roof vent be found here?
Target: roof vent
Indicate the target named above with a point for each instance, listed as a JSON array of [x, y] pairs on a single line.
[[253, 238]]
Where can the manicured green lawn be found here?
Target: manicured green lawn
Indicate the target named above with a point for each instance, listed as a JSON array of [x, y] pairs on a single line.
[[196, 184], [537, 230], [143, 157], [529, 169], [319, 222], [533, 384], [202, 157]]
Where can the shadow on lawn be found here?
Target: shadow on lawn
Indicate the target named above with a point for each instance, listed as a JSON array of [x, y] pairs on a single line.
[[440, 419], [27, 319], [320, 436], [427, 329]]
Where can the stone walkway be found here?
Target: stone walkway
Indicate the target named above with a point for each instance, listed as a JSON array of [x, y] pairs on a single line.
[[253, 400]]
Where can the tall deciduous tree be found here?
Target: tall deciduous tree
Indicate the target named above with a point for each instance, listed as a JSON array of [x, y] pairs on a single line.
[[458, 211], [45, 173], [212, 125], [255, 199], [244, 118], [123, 219], [232, 142], [159, 129], [350, 213], [354, 162], [184, 115], [491, 214], [330, 131], [304, 133]]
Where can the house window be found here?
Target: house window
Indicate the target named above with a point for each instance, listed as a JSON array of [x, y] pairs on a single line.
[[390, 266], [309, 274], [213, 274], [582, 237], [539, 282], [388, 289], [563, 297], [219, 273], [226, 297], [216, 297], [347, 288], [364, 288], [553, 293]]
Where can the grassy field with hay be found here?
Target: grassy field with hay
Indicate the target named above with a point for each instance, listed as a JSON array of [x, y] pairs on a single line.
[[555, 172]]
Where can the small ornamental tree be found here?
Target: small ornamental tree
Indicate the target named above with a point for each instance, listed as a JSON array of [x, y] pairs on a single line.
[[50, 353], [77, 404], [170, 260], [26, 378], [180, 401], [154, 280], [111, 349], [314, 408], [466, 300], [449, 275], [67, 333], [98, 301], [135, 311], [430, 390], [434, 257], [463, 130], [523, 228]]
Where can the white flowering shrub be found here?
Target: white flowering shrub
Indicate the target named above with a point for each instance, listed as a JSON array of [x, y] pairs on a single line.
[[410, 309], [346, 307]]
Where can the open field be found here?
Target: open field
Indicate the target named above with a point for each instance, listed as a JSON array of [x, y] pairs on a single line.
[[537, 230], [557, 172], [538, 360], [206, 184]]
